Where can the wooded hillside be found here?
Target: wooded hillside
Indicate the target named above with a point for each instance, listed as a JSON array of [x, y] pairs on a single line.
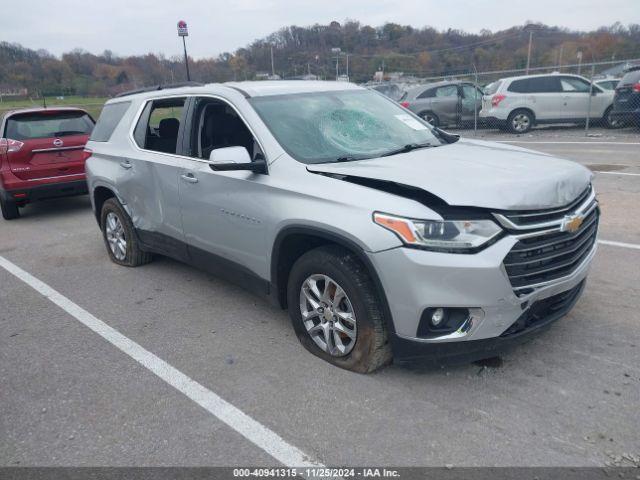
[[299, 50]]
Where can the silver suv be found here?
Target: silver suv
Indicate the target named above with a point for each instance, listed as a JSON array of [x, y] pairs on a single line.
[[518, 103], [383, 236], [445, 103]]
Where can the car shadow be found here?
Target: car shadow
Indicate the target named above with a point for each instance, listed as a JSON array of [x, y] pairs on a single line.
[[56, 206]]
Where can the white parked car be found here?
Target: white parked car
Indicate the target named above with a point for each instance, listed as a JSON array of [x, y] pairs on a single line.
[[519, 103], [607, 83]]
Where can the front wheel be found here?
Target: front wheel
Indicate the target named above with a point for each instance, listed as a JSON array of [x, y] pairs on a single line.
[[609, 121], [119, 237], [520, 121], [9, 209], [335, 311]]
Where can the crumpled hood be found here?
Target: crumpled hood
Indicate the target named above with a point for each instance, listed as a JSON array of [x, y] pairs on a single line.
[[476, 173]]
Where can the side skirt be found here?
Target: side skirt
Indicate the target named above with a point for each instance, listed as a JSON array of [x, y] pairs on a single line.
[[201, 259]]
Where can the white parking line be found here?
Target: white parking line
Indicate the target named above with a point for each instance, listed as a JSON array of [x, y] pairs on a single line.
[[620, 244], [617, 173], [235, 418]]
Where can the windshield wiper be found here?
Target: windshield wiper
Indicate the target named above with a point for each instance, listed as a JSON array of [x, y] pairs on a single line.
[[349, 158], [407, 148]]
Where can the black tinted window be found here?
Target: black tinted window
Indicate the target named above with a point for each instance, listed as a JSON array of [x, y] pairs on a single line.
[[109, 119], [428, 93], [536, 85], [47, 124], [519, 86], [630, 78]]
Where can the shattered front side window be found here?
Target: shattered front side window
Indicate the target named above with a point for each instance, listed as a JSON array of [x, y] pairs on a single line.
[[322, 127]]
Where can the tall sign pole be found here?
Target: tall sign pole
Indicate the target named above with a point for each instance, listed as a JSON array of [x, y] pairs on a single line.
[[184, 32]]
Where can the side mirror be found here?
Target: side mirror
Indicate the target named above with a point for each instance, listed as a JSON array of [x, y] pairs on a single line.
[[235, 158]]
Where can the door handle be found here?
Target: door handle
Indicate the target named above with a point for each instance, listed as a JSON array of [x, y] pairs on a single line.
[[188, 177], [126, 164]]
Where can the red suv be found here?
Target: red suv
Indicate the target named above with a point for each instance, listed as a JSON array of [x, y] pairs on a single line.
[[42, 155]]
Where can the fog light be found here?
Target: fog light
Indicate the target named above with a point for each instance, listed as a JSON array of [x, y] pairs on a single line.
[[437, 317], [438, 321]]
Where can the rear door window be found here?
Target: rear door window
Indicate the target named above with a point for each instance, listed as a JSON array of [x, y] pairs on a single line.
[[48, 124], [159, 124], [109, 119]]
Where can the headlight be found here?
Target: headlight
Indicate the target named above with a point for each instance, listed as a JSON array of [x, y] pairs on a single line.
[[447, 235]]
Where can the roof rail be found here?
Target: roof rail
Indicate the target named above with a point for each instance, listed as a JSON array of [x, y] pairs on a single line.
[[159, 87]]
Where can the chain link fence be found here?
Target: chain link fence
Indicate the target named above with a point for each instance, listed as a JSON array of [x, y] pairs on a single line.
[[475, 100]]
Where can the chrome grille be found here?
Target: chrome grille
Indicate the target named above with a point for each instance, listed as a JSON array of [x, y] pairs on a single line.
[[527, 219], [544, 254]]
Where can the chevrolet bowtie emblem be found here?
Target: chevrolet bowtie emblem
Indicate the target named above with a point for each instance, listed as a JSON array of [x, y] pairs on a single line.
[[571, 223]]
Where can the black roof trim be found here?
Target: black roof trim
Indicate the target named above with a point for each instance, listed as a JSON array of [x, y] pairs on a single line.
[[159, 87], [244, 93]]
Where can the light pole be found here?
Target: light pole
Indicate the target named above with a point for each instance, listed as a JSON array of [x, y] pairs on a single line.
[[337, 51], [184, 32], [273, 68], [579, 55]]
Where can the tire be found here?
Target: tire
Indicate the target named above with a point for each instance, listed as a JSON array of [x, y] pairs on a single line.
[[609, 122], [9, 209], [520, 121], [431, 118], [369, 350], [130, 254]]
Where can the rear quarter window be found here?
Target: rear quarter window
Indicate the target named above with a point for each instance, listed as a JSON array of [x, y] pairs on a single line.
[[519, 86], [109, 119], [492, 88], [48, 124]]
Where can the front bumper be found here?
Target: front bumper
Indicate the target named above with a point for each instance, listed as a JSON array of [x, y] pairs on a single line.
[[631, 117], [414, 280]]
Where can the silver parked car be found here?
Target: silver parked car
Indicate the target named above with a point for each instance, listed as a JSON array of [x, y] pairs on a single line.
[[391, 90], [518, 104], [383, 236], [445, 103]]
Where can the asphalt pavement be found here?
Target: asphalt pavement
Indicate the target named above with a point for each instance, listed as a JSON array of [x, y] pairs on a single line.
[[70, 396]]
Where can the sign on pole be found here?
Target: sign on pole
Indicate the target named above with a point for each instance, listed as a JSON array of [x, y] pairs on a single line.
[[183, 32], [182, 29]]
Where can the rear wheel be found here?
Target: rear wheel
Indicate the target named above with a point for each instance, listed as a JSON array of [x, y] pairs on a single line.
[[335, 310], [431, 118], [520, 121], [119, 237], [9, 209]]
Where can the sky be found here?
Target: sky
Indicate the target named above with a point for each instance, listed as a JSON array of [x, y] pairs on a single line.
[[141, 26]]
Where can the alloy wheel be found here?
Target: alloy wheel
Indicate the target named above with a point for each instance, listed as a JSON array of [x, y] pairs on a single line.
[[520, 122], [328, 315], [115, 236]]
